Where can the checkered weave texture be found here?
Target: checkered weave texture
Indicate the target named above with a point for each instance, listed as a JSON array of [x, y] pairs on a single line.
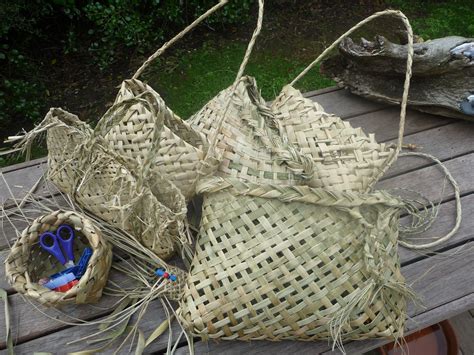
[[179, 158], [81, 164], [249, 141], [27, 262], [344, 157], [277, 262]]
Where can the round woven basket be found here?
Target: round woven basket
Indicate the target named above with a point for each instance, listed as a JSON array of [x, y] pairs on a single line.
[[27, 262]]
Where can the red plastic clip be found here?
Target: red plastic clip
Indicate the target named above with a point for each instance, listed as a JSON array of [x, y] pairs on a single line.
[[67, 286]]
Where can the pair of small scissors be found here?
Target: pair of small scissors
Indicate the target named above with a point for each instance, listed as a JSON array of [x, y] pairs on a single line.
[[60, 244]]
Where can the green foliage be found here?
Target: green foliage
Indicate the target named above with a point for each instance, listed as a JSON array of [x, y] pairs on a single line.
[[105, 29], [121, 23], [21, 97], [141, 24], [435, 19], [190, 78]]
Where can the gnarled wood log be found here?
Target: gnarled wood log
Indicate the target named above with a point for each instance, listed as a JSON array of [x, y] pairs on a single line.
[[443, 73]]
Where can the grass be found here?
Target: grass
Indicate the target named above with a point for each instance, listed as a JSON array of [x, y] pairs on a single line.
[[435, 19], [190, 79]]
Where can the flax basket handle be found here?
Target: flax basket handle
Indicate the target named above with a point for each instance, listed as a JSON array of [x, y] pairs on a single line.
[[406, 86]]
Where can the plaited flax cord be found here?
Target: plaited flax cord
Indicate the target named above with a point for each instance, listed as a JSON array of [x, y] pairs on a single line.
[[345, 158], [28, 262], [277, 262], [181, 149], [248, 139]]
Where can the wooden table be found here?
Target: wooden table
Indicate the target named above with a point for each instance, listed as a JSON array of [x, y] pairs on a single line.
[[445, 281]]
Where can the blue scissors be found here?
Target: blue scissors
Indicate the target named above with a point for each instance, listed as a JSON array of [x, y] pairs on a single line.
[[60, 244]]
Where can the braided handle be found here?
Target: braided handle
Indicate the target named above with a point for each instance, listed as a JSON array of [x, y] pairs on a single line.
[[297, 162], [406, 86]]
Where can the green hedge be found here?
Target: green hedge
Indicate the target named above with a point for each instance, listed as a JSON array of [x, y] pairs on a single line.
[[102, 29]]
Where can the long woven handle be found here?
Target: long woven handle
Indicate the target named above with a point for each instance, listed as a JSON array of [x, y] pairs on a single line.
[[408, 73], [297, 162], [212, 153]]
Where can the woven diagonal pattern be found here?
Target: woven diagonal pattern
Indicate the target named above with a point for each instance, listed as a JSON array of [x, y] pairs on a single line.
[[251, 146], [110, 191], [345, 158], [66, 133], [181, 148], [294, 263], [101, 182], [28, 262]]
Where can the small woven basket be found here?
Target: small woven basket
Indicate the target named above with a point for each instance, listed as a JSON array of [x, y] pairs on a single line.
[[298, 263], [27, 262]]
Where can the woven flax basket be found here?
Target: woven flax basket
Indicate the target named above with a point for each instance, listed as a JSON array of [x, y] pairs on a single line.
[[27, 262], [122, 192], [279, 262], [298, 260], [181, 150]]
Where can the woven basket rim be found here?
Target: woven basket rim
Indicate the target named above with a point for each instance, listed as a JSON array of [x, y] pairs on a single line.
[[299, 193], [26, 244]]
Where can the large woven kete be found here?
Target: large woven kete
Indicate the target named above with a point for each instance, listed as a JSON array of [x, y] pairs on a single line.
[[81, 164], [181, 149], [278, 263]]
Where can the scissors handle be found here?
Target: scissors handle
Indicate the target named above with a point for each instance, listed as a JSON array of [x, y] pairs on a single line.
[[65, 234], [49, 242]]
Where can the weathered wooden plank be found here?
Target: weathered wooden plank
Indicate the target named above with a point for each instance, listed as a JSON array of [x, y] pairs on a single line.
[[53, 342], [384, 123], [430, 180], [21, 181], [420, 321], [344, 104], [23, 165], [438, 280], [444, 143]]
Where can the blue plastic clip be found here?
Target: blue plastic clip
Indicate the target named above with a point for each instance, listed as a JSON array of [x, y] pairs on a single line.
[[83, 261], [162, 273], [60, 280], [69, 270]]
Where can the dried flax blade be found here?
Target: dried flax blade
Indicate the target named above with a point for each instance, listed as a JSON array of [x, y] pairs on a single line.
[[133, 300]]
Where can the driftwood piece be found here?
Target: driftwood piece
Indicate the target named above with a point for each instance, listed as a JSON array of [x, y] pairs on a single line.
[[443, 73]]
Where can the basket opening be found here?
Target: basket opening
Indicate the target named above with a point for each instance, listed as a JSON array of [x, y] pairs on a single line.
[[42, 264]]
